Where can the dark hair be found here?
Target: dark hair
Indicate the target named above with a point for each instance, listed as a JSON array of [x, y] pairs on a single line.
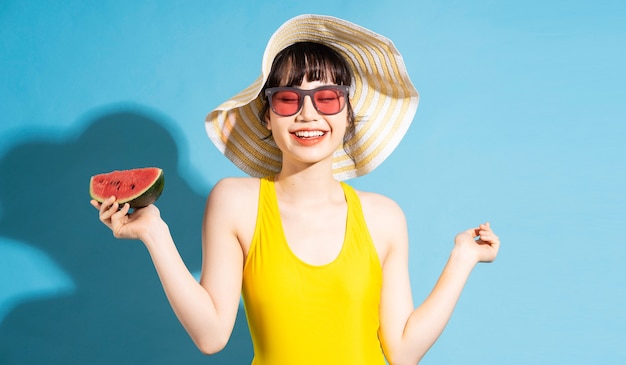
[[316, 62]]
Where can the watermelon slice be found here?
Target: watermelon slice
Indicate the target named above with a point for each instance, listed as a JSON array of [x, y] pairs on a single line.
[[138, 187]]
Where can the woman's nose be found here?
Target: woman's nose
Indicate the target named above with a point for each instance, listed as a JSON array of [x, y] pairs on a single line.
[[308, 111]]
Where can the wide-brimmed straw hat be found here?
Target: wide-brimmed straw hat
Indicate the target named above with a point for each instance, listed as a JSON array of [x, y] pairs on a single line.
[[382, 96]]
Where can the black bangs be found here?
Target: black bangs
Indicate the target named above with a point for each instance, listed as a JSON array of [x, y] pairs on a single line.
[[314, 61]]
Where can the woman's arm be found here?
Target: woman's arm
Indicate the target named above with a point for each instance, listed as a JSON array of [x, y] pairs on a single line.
[[408, 333], [208, 309]]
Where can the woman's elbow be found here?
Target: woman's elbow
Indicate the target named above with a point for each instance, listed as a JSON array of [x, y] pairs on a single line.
[[211, 346], [403, 358]]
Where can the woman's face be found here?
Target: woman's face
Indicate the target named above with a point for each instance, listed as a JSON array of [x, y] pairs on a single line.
[[308, 137]]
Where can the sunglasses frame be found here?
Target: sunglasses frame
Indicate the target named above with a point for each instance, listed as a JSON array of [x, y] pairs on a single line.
[[302, 93]]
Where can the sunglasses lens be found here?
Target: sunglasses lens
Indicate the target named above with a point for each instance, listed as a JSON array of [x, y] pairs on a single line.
[[329, 101], [285, 103]]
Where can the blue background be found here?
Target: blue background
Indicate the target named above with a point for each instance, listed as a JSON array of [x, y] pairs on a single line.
[[521, 122]]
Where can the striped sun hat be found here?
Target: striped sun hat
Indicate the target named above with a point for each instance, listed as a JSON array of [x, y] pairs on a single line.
[[382, 96]]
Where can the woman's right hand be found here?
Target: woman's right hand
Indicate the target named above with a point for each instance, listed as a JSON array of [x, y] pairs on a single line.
[[127, 226]]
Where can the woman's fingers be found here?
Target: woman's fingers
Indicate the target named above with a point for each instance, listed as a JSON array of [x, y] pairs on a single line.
[[107, 209], [118, 219], [486, 233], [106, 215], [121, 212], [105, 205], [94, 203]]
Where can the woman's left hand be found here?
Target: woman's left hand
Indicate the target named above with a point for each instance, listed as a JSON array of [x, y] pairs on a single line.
[[481, 243]]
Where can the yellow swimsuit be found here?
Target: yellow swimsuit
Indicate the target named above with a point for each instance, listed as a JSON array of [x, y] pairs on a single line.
[[302, 314]]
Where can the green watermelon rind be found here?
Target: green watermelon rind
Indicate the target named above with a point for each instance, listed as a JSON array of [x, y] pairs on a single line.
[[141, 199]]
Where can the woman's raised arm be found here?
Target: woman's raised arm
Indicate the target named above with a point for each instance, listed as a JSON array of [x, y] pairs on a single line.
[[208, 309], [407, 333]]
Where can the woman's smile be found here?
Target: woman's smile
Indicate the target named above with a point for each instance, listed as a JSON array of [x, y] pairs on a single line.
[[308, 137], [309, 134]]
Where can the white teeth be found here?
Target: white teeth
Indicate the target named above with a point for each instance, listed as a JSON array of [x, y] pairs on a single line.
[[309, 134]]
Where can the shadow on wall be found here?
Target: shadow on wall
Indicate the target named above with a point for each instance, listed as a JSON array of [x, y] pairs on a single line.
[[118, 313]]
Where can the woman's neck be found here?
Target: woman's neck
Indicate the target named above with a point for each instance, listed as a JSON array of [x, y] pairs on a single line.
[[307, 186]]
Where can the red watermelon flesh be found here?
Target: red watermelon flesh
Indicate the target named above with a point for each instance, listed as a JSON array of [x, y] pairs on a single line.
[[138, 187]]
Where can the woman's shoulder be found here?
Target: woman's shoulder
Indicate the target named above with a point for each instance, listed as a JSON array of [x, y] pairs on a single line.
[[385, 221], [375, 203], [232, 206], [238, 183], [381, 212], [235, 191]]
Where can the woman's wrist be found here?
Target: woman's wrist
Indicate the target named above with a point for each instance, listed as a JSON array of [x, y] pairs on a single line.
[[154, 233], [463, 257]]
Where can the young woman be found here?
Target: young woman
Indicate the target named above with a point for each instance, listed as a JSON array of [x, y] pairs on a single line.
[[323, 268]]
